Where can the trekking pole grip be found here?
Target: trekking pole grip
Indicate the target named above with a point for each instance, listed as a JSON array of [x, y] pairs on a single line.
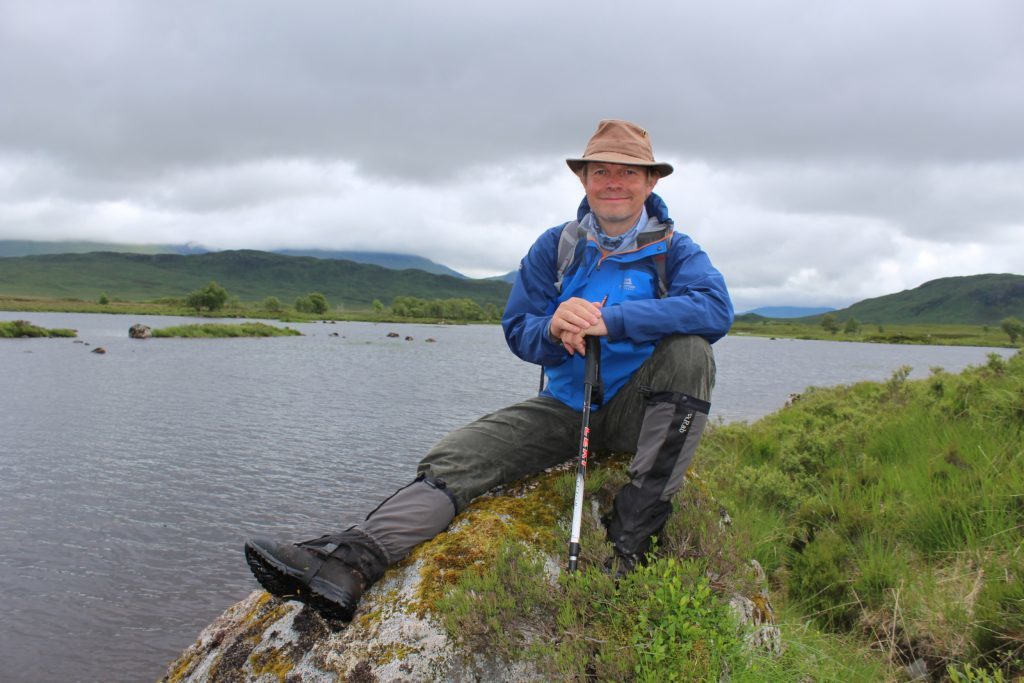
[[592, 371]]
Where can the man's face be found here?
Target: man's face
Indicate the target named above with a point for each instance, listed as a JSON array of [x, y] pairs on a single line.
[[616, 194]]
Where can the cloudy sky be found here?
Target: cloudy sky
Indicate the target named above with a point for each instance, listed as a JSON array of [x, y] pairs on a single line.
[[825, 151]]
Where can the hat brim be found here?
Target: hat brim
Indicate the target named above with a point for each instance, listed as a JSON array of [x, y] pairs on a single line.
[[576, 165]]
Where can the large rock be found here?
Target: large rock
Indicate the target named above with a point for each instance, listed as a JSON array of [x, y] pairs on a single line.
[[388, 641], [139, 331], [399, 633]]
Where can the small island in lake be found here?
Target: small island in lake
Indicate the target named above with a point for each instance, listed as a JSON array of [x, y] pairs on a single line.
[[219, 330], [23, 328]]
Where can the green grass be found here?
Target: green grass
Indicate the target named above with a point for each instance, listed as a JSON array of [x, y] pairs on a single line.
[[931, 334], [892, 513], [811, 654], [888, 518], [220, 330], [23, 328]]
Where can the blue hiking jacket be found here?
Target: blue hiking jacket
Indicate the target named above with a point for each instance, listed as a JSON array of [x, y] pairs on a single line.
[[697, 302]]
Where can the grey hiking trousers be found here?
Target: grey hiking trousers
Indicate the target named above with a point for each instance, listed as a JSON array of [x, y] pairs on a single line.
[[658, 415]]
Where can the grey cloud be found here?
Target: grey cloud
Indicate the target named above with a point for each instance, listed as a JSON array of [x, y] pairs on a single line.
[[824, 150], [958, 203], [422, 90]]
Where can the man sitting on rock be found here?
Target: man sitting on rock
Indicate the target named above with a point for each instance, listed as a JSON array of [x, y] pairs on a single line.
[[620, 272]]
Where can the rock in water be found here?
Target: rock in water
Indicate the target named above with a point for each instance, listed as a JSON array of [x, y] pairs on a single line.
[[139, 331]]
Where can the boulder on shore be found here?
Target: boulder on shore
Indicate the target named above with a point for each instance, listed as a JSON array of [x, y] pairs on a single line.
[[139, 331]]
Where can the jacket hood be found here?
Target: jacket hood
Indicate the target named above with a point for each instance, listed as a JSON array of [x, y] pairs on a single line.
[[655, 206]]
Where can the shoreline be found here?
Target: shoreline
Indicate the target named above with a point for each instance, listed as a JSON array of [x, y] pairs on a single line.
[[911, 334]]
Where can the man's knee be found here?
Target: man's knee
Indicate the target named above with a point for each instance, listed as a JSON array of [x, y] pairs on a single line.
[[503, 446], [683, 363]]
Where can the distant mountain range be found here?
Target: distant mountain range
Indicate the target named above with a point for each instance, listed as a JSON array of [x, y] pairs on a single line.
[[377, 258], [789, 311], [33, 248], [507, 277], [382, 259]]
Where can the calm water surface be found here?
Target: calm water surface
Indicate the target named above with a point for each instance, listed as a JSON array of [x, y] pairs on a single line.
[[129, 480]]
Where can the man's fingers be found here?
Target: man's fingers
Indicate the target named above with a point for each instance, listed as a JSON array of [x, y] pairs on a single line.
[[577, 313], [573, 343], [598, 329], [574, 317]]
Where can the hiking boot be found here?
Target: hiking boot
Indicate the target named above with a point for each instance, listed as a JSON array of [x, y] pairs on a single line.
[[306, 573], [619, 564]]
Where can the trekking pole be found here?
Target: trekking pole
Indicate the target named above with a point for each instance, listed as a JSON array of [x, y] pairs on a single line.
[[591, 377]]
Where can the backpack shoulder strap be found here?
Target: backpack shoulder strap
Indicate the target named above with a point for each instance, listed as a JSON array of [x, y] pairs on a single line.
[[646, 238], [571, 243]]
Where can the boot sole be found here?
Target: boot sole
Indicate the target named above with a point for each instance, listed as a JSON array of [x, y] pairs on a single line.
[[278, 579]]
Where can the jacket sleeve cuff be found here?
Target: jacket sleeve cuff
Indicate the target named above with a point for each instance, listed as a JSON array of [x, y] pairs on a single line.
[[612, 316], [554, 341]]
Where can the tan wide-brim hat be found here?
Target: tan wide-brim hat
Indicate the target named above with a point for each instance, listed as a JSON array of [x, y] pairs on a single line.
[[620, 142]]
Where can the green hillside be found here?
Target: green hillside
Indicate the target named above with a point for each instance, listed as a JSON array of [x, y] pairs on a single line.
[[969, 300], [250, 275]]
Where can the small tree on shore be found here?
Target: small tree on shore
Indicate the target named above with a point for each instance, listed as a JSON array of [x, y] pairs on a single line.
[[212, 297], [1013, 327], [851, 326], [312, 303], [829, 324], [319, 302]]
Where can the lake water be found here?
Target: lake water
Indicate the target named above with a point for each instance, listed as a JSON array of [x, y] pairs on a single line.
[[129, 480]]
